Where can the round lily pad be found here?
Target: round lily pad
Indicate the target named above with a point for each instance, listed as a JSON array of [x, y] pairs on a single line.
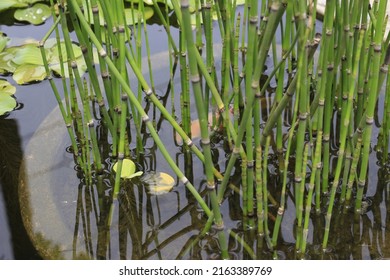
[[36, 14], [158, 183], [28, 73], [128, 169]]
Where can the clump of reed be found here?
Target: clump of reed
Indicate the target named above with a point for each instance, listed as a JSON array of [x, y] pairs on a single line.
[[326, 88]]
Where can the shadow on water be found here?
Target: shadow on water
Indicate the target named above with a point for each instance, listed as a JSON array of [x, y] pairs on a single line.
[[11, 156]]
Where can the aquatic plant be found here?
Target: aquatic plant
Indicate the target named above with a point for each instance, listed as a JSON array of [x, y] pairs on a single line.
[[318, 104]]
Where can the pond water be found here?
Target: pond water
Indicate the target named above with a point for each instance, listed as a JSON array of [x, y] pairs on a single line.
[[60, 216]]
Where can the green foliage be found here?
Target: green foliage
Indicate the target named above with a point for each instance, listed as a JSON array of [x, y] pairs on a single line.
[[36, 14], [3, 41], [27, 73], [129, 13], [27, 10], [26, 64], [128, 169], [7, 102]]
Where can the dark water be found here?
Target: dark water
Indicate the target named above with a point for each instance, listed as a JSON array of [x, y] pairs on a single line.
[[156, 227]]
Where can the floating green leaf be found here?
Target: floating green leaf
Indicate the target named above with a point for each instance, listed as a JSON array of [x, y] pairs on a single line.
[[36, 14], [28, 73], [56, 67], [128, 169], [150, 2], [25, 3], [137, 13], [28, 54], [7, 102], [158, 183], [7, 88], [3, 41], [6, 4], [6, 63], [55, 58], [128, 14]]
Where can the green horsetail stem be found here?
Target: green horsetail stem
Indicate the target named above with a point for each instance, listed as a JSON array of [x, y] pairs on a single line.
[[65, 115], [344, 129], [361, 91], [316, 165], [277, 10], [147, 46], [108, 37], [114, 71], [385, 128], [122, 109], [259, 191], [286, 48], [386, 119], [88, 58], [279, 107], [282, 204], [203, 119], [299, 201], [374, 83], [251, 55], [236, 75], [301, 96], [87, 149], [208, 31], [167, 28], [265, 190], [326, 90], [185, 102], [152, 96], [89, 119], [352, 173], [364, 64], [198, 27]]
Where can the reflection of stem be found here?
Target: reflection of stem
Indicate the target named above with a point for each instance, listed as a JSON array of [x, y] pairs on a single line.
[[168, 240], [170, 221], [82, 212], [189, 245], [129, 221], [247, 248]]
